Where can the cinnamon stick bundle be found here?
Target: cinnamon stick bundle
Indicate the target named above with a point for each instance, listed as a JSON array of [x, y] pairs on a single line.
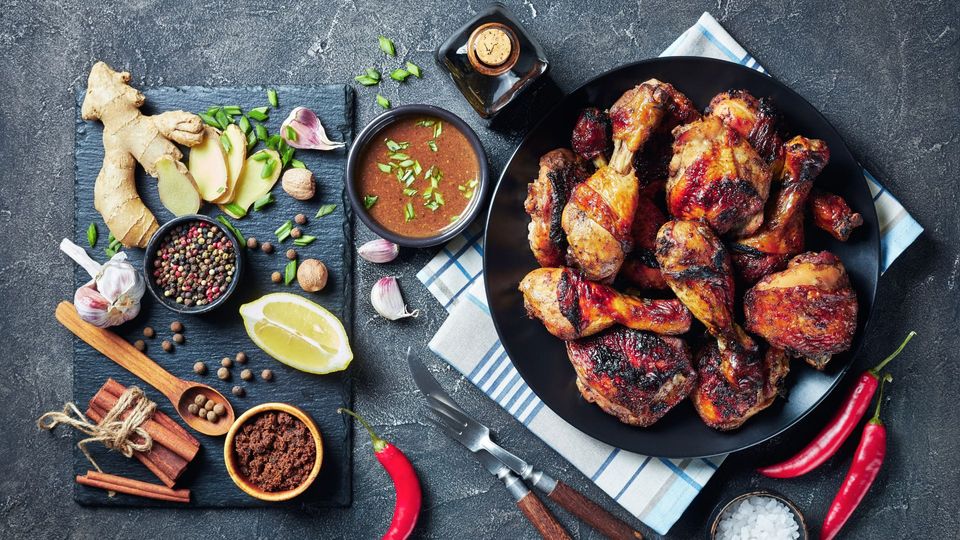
[[133, 487], [173, 447]]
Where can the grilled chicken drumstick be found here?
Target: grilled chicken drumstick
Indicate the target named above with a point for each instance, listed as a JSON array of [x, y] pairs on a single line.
[[636, 376], [597, 222], [832, 214], [591, 136], [755, 119], [634, 118], [733, 379], [641, 267], [651, 163], [560, 171], [572, 307], [781, 236], [809, 309], [717, 177]]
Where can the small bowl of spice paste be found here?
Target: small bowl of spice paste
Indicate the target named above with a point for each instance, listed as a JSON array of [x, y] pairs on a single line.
[[273, 451], [192, 264]]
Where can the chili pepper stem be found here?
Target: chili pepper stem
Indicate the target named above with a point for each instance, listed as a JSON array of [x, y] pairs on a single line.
[[875, 371], [379, 445], [876, 414]]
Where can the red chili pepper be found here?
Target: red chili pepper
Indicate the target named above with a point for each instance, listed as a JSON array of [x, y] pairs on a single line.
[[831, 437], [405, 483], [863, 471]]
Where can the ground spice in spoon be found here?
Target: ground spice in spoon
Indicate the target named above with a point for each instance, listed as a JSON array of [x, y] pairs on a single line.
[[275, 451]]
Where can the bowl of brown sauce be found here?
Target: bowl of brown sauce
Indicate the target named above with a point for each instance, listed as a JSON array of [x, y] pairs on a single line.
[[417, 175]]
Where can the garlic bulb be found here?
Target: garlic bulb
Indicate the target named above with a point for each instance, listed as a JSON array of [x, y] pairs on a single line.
[[388, 301], [379, 251], [113, 296], [307, 131]]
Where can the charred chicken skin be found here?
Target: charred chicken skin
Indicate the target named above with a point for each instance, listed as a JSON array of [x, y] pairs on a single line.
[[597, 222], [717, 177], [641, 268], [547, 195], [652, 162], [809, 309], [591, 136], [572, 307], [726, 398], [832, 214], [636, 376], [634, 118], [755, 119], [781, 235]]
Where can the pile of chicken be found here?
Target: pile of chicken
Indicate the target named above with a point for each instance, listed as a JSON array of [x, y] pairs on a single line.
[[736, 193]]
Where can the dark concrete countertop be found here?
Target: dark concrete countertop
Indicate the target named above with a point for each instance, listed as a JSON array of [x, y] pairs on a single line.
[[886, 75]]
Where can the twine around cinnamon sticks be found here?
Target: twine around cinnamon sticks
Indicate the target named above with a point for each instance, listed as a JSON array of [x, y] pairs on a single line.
[[123, 419]]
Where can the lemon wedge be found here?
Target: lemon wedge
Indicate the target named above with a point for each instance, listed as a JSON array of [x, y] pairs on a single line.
[[297, 332]]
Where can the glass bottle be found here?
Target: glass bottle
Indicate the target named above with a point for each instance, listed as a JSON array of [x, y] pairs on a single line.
[[492, 59]]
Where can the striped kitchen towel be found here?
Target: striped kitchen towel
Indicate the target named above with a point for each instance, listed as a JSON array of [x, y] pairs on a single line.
[[655, 490]]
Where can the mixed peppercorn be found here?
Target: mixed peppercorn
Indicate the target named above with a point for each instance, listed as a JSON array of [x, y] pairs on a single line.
[[194, 264]]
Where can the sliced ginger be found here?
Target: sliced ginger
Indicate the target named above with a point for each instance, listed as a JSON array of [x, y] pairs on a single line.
[[260, 172], [130, 136], [236, 155], [178, 191], [207, 163]]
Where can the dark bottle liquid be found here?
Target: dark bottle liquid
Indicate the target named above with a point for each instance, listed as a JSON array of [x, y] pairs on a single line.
[[492, 59]]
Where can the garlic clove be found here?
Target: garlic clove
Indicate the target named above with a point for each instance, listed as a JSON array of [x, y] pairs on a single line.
[[119, 282], [388, 301], [379, 251], [309, 132], [94, 308]]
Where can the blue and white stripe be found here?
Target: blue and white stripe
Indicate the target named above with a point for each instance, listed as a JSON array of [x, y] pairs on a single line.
[[655, 490]]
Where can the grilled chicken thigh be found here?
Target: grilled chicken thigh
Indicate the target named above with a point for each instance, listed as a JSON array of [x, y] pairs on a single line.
[[641, 267], [591, 136], [717, 177], [560, 171], [635, 117], [781, 235], [572, 307], [726, 398], [809, 309], [832, 214], [597, 222], [635, 376], [755, 119]]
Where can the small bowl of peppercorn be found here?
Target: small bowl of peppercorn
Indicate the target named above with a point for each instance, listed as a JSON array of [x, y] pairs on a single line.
[[273, 452], [193, 264]]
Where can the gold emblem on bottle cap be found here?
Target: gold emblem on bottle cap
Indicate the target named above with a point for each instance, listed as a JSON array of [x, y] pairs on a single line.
[[493, 49]]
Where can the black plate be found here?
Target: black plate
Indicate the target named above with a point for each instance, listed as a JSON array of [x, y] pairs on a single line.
[[541, 359]]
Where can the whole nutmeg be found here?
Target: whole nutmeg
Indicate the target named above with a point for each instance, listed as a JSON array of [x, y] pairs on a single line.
[[299, 184], [312, 275]]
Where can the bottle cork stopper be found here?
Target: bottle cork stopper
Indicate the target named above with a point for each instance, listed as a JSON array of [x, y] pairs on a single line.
[[493, 49]]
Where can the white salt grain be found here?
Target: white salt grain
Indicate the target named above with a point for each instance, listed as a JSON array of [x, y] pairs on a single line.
[[758, 518]]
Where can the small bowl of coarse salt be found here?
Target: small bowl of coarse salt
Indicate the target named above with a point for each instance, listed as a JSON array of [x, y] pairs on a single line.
[[759, 515]]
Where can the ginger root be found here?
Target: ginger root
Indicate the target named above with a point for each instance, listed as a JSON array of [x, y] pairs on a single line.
[[130, 136]]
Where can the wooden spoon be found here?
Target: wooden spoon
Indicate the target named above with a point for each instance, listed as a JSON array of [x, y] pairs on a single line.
[[180, 392]]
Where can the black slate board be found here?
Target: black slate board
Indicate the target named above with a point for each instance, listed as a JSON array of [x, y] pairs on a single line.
[[213, 336]]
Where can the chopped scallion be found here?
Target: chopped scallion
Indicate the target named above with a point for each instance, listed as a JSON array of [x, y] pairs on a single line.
[[272, 98], [304, 240], [290, 272], [297, 164], [283, 231], [414, 70], [369, 201], [325, 210], [408, 213], [268, 168], [225, 141], [383, 102], [387, 46], [259, 114], [236, 232], [264, 201]]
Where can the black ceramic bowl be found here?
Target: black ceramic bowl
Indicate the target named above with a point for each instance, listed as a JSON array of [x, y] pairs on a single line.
[[369, 135], [151, 255]]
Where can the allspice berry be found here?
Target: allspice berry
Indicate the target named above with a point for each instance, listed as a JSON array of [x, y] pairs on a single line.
[[209, 405], [140, 345], [312, 275], [267, 247], [226, 362], [167, 346], [266, 375], [178, 339], [296, 233], [200, 368], [201, 412], [223, 373], [276, 277], [241, 358], [291, 254], [148, 332], [219, 409], [252, 242], [212, 416], [238, 391], [176, 326], [193, 408], [200, 399], [300, 219], [246, 375]]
